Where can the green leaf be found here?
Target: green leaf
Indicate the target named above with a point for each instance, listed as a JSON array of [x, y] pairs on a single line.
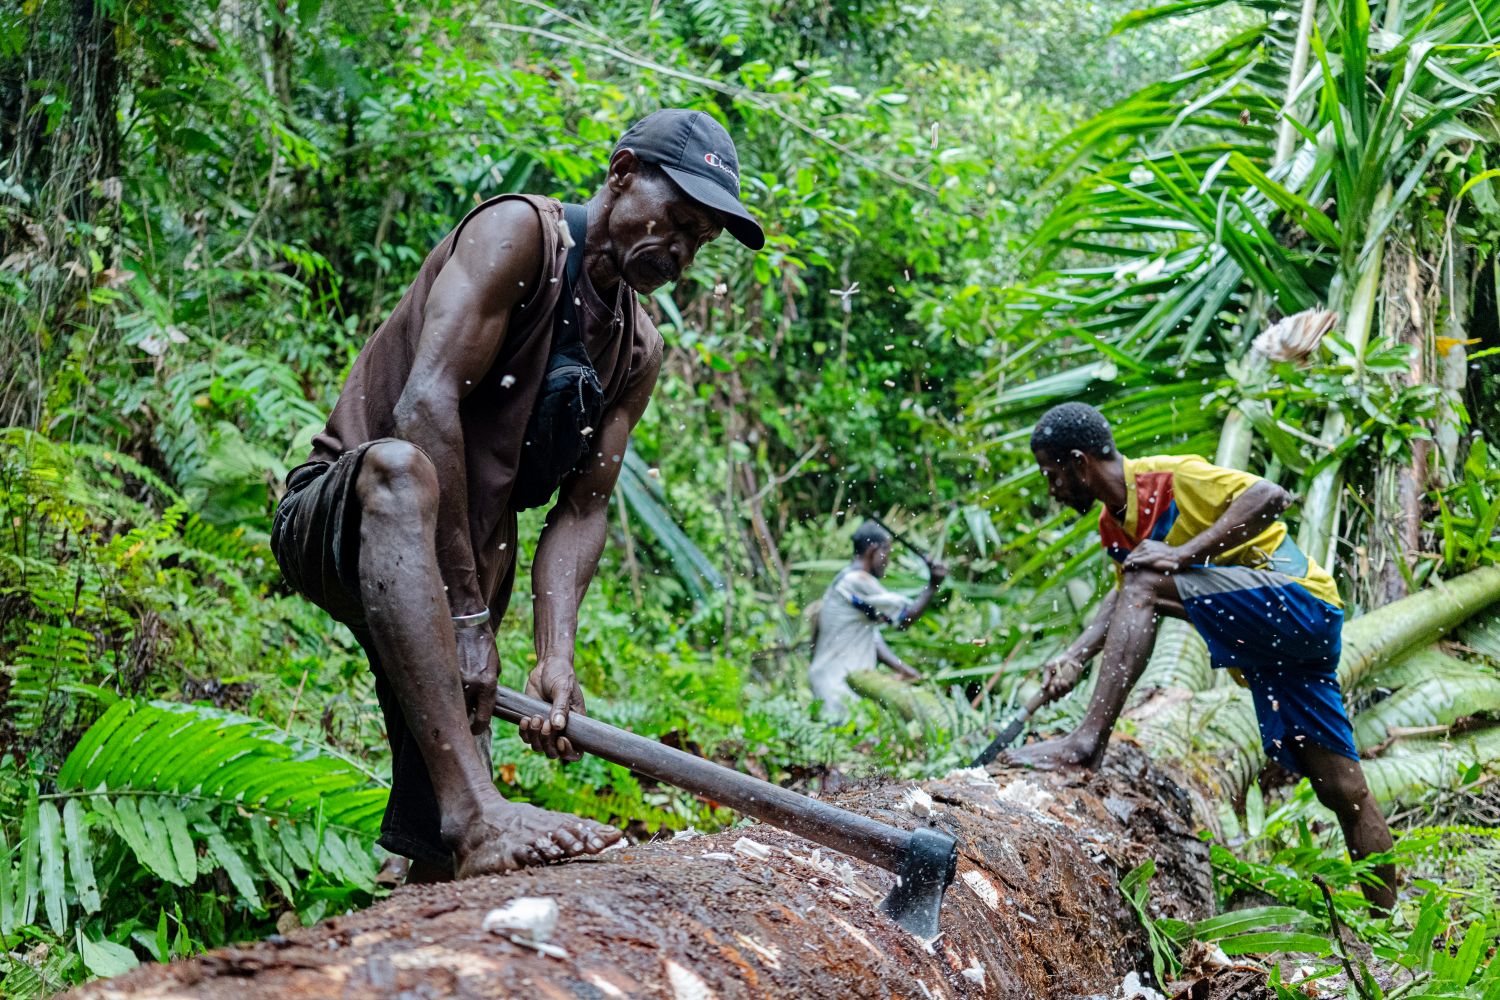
[[1317, 224], [171, 748], [1459, 968], [1262, 942], [80, 856], [28, 878], [272, 856], [299, 840], [1419, 943], [232, 862], [158, 828], [149, 844], [8, 908], [336, 858], [1238, 921], [183, 853], [105, 958], [1477, 179], [53, 866]]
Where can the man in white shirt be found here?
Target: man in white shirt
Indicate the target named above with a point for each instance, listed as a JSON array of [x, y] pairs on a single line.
[[855, 606]]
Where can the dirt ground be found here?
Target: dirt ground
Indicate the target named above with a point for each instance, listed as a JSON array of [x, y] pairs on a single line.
[[1035, 911]]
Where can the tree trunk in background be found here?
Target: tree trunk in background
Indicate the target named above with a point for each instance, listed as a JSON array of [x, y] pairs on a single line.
[[1318, 536], [96, 78], [1238, 436], [1401, 483], [70, 57], [1036, 911], [1453, 355]]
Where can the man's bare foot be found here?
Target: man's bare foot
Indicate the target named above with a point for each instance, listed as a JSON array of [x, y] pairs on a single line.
[[1069, 751], [393, 871], [512, 835]]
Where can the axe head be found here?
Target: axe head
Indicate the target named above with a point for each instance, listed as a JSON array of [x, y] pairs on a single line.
[[926, 872]]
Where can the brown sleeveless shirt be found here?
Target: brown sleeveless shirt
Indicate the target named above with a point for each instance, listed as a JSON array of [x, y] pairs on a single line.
[[495, 412]]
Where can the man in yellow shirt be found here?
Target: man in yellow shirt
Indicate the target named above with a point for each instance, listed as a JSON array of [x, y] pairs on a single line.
[[1204, 543]]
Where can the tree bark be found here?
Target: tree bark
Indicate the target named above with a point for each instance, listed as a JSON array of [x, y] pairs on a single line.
[[1401, 484], [1036, 911], [1453, 356]]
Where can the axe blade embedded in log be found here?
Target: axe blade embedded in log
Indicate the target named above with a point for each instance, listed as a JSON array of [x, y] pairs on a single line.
[[924, 861], [1011, 731]]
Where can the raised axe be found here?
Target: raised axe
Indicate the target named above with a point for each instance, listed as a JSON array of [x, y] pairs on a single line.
[[924, 860], [903, 540], [1012, 729]]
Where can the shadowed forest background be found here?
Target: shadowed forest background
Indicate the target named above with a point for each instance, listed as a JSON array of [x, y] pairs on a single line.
[[974, 210]]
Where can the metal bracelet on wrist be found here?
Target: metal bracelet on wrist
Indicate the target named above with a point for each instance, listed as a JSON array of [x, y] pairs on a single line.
[[461, 622]]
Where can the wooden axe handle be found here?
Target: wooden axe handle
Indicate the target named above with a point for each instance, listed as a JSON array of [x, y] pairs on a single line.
[[1012, 729], [850, 833]]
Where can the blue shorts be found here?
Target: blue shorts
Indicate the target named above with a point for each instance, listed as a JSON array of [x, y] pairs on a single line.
[[1286, 642]]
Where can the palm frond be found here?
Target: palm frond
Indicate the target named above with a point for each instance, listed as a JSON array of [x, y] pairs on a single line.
[[1433, 702], [1422, 766], [644, 497]]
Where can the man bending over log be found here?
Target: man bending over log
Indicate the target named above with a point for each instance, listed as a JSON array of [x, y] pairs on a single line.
[[1204, 543], [846, 635], [516, 364]]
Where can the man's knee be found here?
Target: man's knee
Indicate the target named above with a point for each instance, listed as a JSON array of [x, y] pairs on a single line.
[[396, 477], [1145, 586]]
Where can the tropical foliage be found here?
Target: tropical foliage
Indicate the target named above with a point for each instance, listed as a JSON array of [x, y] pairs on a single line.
[[974, 210]]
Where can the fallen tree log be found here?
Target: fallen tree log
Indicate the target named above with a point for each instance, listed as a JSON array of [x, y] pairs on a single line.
[[906, 699], [1036, 910]]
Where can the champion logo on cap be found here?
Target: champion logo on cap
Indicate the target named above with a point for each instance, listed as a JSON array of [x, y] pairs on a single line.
[[685, 144], [713, 160]]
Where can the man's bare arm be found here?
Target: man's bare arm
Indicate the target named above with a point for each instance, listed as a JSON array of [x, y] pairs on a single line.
[[886, 655], [495, 266], [1063, 672], [936, 573], [1250, 513], [1091, 640], [566, 558]]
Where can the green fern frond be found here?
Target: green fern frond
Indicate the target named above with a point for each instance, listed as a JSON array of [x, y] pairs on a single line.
[[224, 758], [183, 792], [48, 683]]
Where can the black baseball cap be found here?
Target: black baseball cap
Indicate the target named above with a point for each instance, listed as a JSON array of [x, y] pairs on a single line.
[[699, 156]]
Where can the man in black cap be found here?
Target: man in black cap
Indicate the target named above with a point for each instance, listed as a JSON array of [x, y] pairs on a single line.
[[512, 370]]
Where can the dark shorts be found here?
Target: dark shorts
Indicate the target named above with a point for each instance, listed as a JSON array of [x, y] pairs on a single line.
[[1286, 643], [315, 539]]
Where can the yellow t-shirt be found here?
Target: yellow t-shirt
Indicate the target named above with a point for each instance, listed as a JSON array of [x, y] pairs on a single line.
[[1172, 498]]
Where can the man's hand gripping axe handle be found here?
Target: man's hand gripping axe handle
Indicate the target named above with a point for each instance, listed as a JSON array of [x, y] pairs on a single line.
[[924, 860]]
